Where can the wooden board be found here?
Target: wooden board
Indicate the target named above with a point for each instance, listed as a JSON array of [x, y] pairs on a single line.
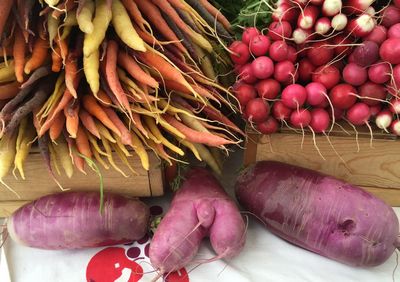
[[38, 182], [376, 169]]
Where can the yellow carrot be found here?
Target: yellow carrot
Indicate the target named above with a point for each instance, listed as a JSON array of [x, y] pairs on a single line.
[[26, 134], [91, 69], [7, 72], [85, 16], [7, 155], [140, 151]]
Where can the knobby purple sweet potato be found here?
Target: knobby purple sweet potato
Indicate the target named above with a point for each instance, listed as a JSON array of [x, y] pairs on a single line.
[[73, 220], [320, 213], [199, 209]]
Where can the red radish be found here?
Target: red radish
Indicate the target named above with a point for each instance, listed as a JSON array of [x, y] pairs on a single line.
[[377, 35], [396, 3], [395, 105], [259, 45], [269, 126], [284, 71], [257, 110], [292, 54], [320, 53], [285, 12], [396, 77], [366, 54], [316, 2], [394, 31], [343, 96], [280, 111], [339, 65], [268, 89], [376, 92], [319, 120], [339, 22], [240, 54], [262, 67], [246, 74], [329, 76], [279, 30], [390, 50], [390, 16], [338, 113], [358, 114], [237, 69], [308, 17], [357, 6], [294, 96], [374, 110], [300, 118], [306, 69], [322, 26], [331, 7], [384, 119], [316, 93], [354, 74], [300, 35], [361, 26], [278, 51], [395, 127], [379, 72], [248, 34], [342, 44], [244, 93]]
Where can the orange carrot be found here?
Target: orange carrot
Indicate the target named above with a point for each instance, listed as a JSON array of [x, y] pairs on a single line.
[[63, 8], [194, 136], [173, 85], [134, 12], [71, 70], [63, 46], [112, 76], [77, 160], [126, 137], [132, 67], [139, 125], [82, 143], [9, 90], [216, 13], [72, 118], [56, 59], [104, 99], [88, 122], [19, 54], [147, 37], [57, 127], [91, 106], [39, 55], [5, 10]]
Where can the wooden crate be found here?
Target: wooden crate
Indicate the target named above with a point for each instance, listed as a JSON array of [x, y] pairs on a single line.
[[38, 182], [375, 169]]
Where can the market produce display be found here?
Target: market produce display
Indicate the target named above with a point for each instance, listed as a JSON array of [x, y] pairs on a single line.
[[86, 78]]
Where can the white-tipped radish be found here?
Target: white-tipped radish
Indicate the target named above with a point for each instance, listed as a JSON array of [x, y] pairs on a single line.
[[331, 7], [361, 26], [322, 26], [384, 119], [308, 17], [370, 11], [300, 35], [285, 11], [394, 105], [339, 22], [357, 6], [395, 127]]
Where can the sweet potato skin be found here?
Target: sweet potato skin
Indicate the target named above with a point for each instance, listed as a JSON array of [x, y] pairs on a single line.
[[319, 213], [72, 220]]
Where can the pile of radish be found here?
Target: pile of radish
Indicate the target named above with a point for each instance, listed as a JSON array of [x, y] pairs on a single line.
[[318, 62]]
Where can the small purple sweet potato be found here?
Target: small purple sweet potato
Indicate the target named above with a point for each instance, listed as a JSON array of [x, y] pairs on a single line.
[[199, 209], [320, 213], [72, 220]]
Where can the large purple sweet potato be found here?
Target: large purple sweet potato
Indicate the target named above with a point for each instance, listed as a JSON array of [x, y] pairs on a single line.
[[199, 209], [320, 213], [73, 220]]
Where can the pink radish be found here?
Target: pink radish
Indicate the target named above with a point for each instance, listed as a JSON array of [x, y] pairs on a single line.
[[279, 30], [280, 111], [394, 31], [354, 74], [316, 93], [292, 54], [246, 74], [294, 96], [259, 45], [308, 17], [300, 118], [379, 72], [390, 50], [377, 35], [384, 119], [361, 26], [244, 93], [375, 109], [343, 96], [320, 53], [372, 93], [262, 67], [329, 76], [339, 22], [395, 105], [319, 120], [331, 7], [284, 71], [358, 114], [240, 53], [268, 89], [300, 36], [366, 54], [306, 69], [390, 16], [269, 126], [357, 6], [248, 34], [257, 110], [322, 25], [395, 127], [278, 51]]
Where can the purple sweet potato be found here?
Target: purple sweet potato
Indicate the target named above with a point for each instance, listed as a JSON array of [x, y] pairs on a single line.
[[73, 220], [320, 213], [199, 209]]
